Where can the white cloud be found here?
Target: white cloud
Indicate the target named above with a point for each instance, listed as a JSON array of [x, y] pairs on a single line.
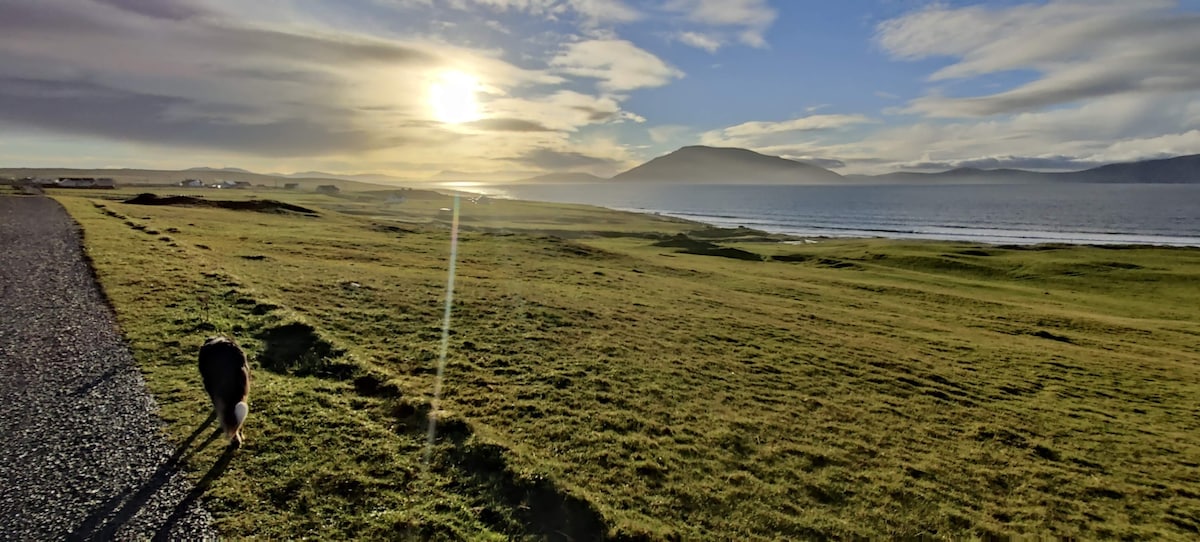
[[667, 133], [605, 11], [187, 76], [752, 18], [1081, 49], [563, 110], [1111, 129], [618, 64], [700, 41], [802, 124], [631, 117], [498, 27], [591, 11], [1118, 128]]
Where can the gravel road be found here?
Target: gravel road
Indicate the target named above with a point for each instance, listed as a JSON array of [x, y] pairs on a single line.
[[81, 456]]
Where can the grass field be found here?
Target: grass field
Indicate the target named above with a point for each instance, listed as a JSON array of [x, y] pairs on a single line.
[[598, 384]]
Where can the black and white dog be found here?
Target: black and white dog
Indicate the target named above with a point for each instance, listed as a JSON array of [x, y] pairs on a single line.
[[226, 378]]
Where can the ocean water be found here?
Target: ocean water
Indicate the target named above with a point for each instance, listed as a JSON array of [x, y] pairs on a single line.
[[1158, 214]]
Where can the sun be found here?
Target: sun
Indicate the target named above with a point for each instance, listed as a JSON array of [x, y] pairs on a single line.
[[452, 97]]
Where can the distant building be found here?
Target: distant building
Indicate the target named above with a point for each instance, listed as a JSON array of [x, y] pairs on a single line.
[[192, 183], [291, 186], [231, 184], [85, 182], [328, 189]]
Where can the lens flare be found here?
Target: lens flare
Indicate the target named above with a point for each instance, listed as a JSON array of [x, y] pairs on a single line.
[[436, 403]]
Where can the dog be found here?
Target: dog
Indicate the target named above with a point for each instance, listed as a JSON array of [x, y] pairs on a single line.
[[226, 376]]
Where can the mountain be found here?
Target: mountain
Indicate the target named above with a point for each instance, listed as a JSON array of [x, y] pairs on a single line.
[[1181, 169], [564, 178], [360, 177], [965, 175], [481, 176], [307, 175], [725, 165], [220, 169]]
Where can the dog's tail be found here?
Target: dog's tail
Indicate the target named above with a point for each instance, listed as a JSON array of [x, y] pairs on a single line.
[[239, 411]]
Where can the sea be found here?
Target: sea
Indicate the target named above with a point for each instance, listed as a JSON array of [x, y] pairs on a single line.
[[1151, 214]]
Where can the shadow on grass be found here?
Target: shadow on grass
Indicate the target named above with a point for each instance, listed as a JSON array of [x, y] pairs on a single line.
[[530, 507], [104, 521]]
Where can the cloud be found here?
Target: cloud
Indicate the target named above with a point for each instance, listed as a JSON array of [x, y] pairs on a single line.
[[667, 133], [163, 75], [590, 11], [802, 124], [781, 138], [1080, 51], [563, 110], [630, 116], [618, 64], [827, 163], [85, 108], [752, 18], [508, 125], [1112, 129], [159, 9], [699, 41], [605, 10], [560, 160], [498, 27]]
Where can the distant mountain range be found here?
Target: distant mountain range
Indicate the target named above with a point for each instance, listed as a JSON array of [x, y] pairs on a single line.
[[219, 169], [715, 165], [564, 178], [1181, 169], [688, 165], [360, 177]]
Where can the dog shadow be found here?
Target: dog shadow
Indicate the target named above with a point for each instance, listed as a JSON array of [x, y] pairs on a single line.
[[104, 522]]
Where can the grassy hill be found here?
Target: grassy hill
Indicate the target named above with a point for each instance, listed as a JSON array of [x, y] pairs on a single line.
[[603, 381]]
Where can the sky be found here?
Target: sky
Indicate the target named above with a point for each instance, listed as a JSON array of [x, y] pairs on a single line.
[[502, 89]]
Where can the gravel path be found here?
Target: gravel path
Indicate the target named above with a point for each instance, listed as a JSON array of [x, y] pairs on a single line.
[[81, 456]]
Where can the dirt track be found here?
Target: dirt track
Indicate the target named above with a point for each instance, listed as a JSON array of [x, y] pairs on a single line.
[[81, 456]]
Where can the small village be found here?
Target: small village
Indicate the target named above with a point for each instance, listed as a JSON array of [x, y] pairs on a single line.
[[39, 183], [64, 182]]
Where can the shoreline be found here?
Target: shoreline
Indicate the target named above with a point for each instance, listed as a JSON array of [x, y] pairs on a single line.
[[998, 239], [1010, 223]]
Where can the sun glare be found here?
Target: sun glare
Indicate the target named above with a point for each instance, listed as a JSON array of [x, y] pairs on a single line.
[[452, 97]]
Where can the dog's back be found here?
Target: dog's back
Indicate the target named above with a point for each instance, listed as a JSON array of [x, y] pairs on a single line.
[[226, 377]]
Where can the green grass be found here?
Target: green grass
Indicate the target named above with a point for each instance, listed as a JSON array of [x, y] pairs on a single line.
[[862, 388]]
